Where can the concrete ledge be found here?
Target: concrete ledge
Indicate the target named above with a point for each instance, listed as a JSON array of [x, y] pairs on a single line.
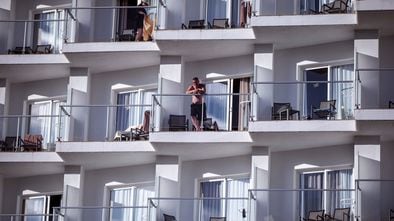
[[30, 157], [104, 147], [374, 5], [200, 137], [33, 59], [110, 47], [304, 20], [206, 34], [303, 126], [374, 114]]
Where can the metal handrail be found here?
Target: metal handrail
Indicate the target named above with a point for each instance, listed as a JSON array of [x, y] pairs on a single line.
[[100, 207], [35, 20], [199, 198], [300, 190], [300, 82]]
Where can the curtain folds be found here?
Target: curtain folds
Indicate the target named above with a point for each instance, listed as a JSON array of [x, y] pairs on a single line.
[[343, 92]]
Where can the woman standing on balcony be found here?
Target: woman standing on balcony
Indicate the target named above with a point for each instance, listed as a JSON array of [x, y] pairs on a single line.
[[141, 13]]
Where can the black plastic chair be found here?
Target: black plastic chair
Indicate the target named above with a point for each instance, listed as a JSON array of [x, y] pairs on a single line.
[[195, 24], [219, 23], [169, 217], [9, 144], [317, 215], [340, 214], [283, 111], [178, 123], [326, 110]]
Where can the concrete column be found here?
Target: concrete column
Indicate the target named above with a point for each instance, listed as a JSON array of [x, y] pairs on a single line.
[[1, 193], [168, 185], [386, 47], [73, 192], [4, 106], [366, 49], [78, 93], [263, 72], [367, 165], [171, 81], [259, 179]]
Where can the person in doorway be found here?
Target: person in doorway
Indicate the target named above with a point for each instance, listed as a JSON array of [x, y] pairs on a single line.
[[197, 108], [141, 13]]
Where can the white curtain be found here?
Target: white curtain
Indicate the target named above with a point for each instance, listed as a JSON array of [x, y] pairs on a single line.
[[311, 200], [216, 9], [217, 106], [212, 207], [142, 195], [49, 32], [132, 115], [122, 198], [35, 205], [41, 125], [237, 189], [343, 92], [340, 179]]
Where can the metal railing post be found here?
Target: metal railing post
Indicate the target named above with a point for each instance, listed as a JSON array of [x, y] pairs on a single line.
[[107, 126], [17, 133], [24, 38]]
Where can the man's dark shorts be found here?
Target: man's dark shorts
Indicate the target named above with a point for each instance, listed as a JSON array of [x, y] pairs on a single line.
[[196, 110]]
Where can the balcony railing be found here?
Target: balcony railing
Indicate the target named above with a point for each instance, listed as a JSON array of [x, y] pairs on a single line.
[[369, 89], [374, 199], [19, 217], [302, 7], [116, 23], [104, 122], [302, 100], [130, 213], [295, 204], [40, 36], [199, 209], [222, 112], [42, 127]]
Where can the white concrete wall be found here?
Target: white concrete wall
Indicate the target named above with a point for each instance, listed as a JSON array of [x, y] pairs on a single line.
[[371, 5], [284, 176], [101, 85], [14, 187], [21, 91], [285, 66], [96, 180], [387, 166], [193, 170], [176, 13]]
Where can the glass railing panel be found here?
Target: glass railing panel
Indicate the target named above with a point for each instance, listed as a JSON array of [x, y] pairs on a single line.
[[304, 100], [123, 122], [40, 36], [201, 209], [210, 112], [296, 204], [118, 213], [33, 132]]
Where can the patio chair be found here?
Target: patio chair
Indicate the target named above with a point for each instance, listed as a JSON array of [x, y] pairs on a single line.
[[9, 144], [337, 6], [283, 111], [219, 23], [317, 215], [326, 110], [217, 219], [391, 215], [178, 123], [143, 131], [42, 49], [127, 35], [391, 104], [169, 217], [31, 142], [340, 214], [21, 50], [195, 24]]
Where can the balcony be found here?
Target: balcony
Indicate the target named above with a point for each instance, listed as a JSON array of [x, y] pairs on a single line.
[[303, 13], [303, 106]]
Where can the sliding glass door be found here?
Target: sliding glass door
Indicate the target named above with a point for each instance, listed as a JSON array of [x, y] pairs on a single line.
[[218, 105]]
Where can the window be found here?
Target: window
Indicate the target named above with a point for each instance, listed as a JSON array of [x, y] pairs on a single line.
[[48, 32], [340, 91], [42, 124], [131, 196], [136, 102], [229, 112], [219, 189], [327, 200], [219, 9], [39, 205]]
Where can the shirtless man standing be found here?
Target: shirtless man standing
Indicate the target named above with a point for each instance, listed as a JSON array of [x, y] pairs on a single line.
[[197, 106]]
